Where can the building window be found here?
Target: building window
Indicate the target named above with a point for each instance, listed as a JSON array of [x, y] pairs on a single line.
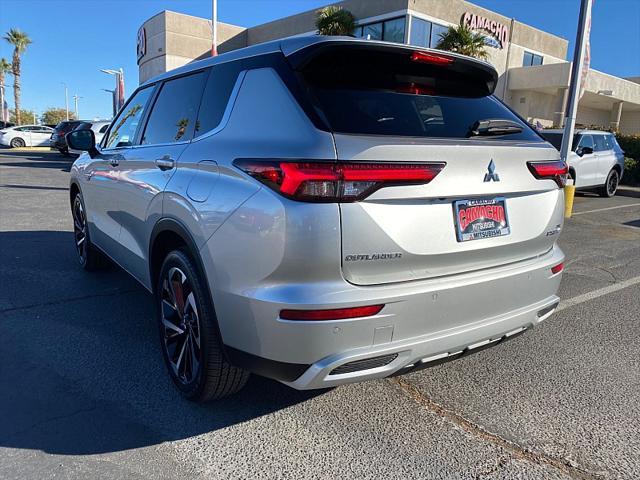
[[424, 33], [531, 59], [420, 32], [436, 31], [389, 30]]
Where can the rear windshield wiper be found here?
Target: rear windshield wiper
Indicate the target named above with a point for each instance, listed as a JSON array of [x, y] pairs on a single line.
[[487, 128]]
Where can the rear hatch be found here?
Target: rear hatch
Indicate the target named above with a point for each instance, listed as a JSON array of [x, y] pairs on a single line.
[[488, 206]]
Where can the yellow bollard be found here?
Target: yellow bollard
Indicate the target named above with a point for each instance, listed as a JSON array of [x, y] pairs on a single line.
[[569, 192]]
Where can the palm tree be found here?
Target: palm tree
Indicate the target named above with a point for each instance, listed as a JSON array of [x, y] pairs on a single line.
[[463, 40], [5, 67], [20, 41], [333, 20]]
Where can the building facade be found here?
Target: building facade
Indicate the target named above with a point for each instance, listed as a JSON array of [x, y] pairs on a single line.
[[532, 65]]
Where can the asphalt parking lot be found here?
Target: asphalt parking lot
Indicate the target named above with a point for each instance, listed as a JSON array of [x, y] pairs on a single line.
[[83, 392]]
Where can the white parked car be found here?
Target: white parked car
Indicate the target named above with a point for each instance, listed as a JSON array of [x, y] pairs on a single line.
[[99, 128], [596, 161], [26, 136]]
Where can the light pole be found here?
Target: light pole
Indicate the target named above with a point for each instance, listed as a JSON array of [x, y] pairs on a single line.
[[119, 74], [75, 99], [66, 99], [4, 119], [114, 107]]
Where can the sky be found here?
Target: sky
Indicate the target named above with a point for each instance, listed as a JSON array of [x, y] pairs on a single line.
[[74, 39]]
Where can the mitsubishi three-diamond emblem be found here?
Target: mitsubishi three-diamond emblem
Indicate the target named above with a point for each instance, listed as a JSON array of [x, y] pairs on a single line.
[[491, 173]]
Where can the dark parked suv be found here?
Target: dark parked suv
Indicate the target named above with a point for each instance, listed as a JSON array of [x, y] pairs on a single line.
[[58, 141]]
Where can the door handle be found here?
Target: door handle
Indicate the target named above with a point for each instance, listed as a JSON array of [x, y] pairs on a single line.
[[165, 163]]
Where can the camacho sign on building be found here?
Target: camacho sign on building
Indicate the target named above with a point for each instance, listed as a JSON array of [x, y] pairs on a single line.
[[476, 22]]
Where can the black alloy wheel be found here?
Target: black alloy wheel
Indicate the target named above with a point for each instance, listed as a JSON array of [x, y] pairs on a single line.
[[190, 339], [89, 257], [181, 326], [611, 185]]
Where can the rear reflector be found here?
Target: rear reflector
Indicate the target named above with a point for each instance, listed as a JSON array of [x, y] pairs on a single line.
[[333, 314], [336, 182], [557, 268], [429, 57], [555, 170]]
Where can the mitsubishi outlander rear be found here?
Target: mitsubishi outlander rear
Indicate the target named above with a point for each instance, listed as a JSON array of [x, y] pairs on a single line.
[[324, 211]]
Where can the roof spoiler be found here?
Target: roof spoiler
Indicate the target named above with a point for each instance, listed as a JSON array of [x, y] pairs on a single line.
[[302, 54]]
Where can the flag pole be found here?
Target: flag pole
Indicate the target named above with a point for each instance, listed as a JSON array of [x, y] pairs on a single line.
[[576, 78], [214, 29]]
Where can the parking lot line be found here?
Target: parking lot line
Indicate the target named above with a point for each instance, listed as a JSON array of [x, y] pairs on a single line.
[[608, 208], [585, 297]]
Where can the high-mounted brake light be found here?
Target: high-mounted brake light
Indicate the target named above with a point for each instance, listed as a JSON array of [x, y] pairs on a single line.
[[336, 182], [555, 170], [415, 89], [430, 57], [333, 314]]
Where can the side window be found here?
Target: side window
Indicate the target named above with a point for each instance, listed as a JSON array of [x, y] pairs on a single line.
[[22, 129], [216, 96], [608, 142], [103, 128], [600, 143], [586, 141], [124, 127], [173, 116]]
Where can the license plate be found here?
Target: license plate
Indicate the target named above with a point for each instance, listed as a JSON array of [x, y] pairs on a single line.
[[481, 218]]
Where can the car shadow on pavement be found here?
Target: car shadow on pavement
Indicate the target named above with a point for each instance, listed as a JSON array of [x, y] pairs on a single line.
[[37, 159], [80, 366]]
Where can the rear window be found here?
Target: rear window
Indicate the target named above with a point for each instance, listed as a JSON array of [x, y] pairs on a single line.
[[387, 93], [555, 139], [67, 126]]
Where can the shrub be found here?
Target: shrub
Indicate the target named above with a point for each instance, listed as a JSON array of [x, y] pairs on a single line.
[[631, 146], [631, 172]]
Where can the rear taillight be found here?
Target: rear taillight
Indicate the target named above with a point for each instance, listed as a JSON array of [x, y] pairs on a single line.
[[336, 182], [332, 314], [555, 170]]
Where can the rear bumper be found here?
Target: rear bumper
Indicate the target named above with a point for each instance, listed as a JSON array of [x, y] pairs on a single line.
[[421, 322], [58, 144], [401, 357]]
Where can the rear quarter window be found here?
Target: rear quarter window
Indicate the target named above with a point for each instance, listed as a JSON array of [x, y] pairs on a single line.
[[216, 95]]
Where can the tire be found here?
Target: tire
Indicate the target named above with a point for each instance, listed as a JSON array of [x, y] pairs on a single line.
[[610, 186], [189, 336], [89, 257], [17, 142]]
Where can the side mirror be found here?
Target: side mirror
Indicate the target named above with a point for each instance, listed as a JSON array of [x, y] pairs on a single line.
[[585, 151], [84, 140]]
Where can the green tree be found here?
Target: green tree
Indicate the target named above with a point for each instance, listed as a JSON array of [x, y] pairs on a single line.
[[53, 115], [25, 115], [333, 20], [463, 40], [20, 41]]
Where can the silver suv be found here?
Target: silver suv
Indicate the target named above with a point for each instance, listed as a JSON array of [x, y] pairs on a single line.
[[323, 211]]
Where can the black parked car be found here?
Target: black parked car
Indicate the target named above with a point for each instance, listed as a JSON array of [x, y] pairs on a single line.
[[58, 141]]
